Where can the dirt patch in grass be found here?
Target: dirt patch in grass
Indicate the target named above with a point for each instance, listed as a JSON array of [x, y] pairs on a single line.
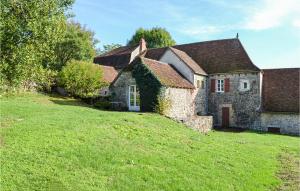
[[290, 171], [8, 122], [1, 141]]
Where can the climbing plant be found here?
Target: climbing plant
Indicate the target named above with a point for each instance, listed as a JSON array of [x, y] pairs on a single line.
[[148, 85]]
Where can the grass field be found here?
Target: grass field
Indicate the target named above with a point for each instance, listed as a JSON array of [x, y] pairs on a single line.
[[51, 143]]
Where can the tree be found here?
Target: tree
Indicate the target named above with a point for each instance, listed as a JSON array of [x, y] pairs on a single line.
[[29, 32], [155, 37], [82, 79], [108, 47], [78, 44]]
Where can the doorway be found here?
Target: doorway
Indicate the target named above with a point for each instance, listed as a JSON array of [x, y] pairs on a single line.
[[225, 117], [133, 98]]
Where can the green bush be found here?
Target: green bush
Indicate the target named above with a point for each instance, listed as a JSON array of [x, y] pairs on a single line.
[[81, 79], [46, 80], [163, 105]]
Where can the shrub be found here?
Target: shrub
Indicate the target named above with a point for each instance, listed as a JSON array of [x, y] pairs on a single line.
[[46, 80], [81, 79], [163, 105]]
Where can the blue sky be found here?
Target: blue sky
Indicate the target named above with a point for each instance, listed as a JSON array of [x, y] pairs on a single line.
[[268, 29]]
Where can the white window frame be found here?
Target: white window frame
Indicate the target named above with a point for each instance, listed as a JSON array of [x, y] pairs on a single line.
[[242, 81], [133, 107], [220, 88]]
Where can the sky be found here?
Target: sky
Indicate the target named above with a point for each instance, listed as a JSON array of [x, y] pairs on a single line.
[[268, 29]]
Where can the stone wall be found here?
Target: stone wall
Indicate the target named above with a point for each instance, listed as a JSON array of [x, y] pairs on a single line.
[[200, 123], [120, 89], [244, 105], [200, 95], [288, 123], [182, 106]]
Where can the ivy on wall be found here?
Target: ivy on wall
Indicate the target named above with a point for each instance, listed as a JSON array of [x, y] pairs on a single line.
[[148, 84]]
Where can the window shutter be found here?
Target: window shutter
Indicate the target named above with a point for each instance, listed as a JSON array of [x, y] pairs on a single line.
[[227, 85], [212, 85]]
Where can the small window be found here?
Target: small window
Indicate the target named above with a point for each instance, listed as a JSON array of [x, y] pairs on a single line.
[[105, 92], [244, 85], [220, 85], [198, 83], [202, 84]]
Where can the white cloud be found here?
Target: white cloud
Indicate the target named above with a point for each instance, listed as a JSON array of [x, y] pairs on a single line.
[[194, 30], [296, 23], [272, 13]]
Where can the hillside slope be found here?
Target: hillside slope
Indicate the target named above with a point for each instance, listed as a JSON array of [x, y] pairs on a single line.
[[51, 143]]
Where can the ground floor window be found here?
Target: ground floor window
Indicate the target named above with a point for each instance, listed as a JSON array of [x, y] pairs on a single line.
[[134, 98]]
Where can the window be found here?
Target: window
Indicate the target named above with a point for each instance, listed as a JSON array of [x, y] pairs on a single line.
[[220, 85], [198, 83], [202, 84], [244, 85]]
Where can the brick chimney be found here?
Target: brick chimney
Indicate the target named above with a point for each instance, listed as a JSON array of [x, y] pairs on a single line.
[[142, 44]]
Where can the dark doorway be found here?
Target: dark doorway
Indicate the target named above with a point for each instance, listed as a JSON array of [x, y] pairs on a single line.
[[225, 117]]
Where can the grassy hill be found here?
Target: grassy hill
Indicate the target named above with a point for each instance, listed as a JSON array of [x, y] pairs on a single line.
[[51, 143]]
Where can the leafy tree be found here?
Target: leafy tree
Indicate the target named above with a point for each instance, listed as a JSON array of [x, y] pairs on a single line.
[[29, 32], [82, 79], [78, 43], [156, 37], [108, 47]]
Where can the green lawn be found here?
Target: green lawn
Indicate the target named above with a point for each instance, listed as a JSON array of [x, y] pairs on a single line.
[[50, 143]]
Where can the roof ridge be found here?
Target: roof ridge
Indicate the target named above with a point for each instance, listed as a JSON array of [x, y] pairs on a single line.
[[153, 60], [119, 53], [206, 41]]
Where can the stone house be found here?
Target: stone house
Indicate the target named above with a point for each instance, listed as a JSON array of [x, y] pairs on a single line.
[[213, 78]]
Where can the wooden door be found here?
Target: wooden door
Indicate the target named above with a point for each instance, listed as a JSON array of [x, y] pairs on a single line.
[[225, 117]]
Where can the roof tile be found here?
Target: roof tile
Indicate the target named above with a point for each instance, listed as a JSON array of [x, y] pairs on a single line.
[[166, 74], [281, 90]]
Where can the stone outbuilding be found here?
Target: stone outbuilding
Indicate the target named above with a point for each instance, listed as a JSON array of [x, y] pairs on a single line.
[[280, 112]]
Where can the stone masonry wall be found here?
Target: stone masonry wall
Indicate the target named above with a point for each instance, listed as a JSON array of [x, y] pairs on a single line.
[[182, 106], [243, 106], [288, 123], [119, 90], [200, 123], [200, 95]]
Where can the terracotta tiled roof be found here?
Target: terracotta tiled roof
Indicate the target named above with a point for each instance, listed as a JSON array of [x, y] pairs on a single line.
[[109, 73], [188, 61], [281, 90], [118, 58], [120, 51], [219, 56], [166, 74]]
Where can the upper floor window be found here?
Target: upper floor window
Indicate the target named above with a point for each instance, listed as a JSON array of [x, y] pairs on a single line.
[[220, 85], [198, 83], [202, 84], [244, 85]]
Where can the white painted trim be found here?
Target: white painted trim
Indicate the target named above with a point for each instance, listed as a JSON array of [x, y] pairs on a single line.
[[220, 91], [134, 107]]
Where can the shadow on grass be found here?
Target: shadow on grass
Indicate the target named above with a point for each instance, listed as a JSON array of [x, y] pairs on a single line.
[[70, 102], [241, 130], [62, 100], [230, 129]]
